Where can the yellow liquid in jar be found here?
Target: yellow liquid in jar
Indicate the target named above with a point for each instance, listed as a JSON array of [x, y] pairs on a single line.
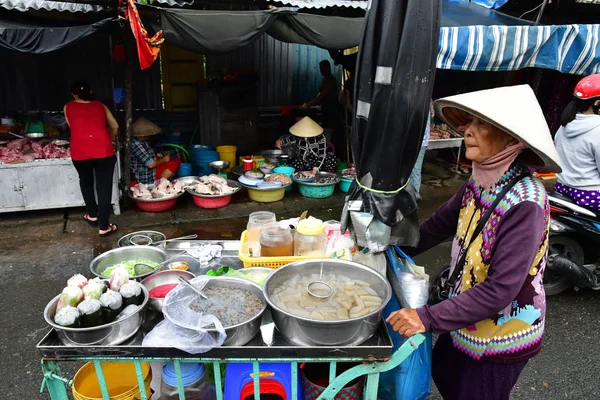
[[285, 250]]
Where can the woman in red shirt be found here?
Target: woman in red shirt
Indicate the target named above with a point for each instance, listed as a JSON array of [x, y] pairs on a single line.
[[93, 129]]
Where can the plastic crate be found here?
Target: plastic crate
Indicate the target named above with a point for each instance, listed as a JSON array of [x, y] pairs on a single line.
[[269, 262]]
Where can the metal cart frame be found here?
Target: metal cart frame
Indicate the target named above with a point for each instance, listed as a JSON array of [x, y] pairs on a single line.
[[55, 382]]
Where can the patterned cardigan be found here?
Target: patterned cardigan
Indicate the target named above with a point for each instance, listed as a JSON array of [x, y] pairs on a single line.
[[496, 311]]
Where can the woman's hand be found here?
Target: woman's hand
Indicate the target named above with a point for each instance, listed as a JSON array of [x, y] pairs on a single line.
[[279, 143], [406, 322]]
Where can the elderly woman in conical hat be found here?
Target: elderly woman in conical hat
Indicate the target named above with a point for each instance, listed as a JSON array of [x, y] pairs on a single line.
[[146, 165], [492, 321], [309, 145]]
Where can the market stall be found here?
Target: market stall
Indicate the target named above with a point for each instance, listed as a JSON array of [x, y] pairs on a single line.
[[279, 351]]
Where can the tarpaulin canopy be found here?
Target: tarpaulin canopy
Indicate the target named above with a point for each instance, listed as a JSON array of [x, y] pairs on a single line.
[[39, 36], [394, 81], [472, 37], [225, 31]]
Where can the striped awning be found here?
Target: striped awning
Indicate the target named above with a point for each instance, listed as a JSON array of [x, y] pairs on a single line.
[[573, 49]]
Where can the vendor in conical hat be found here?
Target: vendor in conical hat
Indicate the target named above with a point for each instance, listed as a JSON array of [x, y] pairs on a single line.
[[309, 145], [492, 320], [146, 165]]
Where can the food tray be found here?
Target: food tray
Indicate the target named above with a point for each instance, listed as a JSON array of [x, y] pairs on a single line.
[[269, 262]]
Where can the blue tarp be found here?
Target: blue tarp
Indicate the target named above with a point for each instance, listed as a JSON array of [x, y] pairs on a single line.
[[485, 3]]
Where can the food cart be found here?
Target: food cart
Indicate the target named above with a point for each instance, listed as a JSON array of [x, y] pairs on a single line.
[[374, 356]]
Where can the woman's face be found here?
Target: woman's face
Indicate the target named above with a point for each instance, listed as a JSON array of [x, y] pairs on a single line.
[[484, 140]]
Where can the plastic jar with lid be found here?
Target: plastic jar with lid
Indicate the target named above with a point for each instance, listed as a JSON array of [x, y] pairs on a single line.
[[195, 382], [256, 220], [276, 241], [310, 238]]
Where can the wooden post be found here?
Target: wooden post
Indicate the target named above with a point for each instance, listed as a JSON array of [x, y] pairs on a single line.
[[130, 54]]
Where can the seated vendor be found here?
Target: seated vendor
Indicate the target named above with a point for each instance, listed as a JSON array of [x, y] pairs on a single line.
[[146, 165], [309, 145]]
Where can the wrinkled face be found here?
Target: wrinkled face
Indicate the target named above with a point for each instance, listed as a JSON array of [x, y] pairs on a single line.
[[484, 140]]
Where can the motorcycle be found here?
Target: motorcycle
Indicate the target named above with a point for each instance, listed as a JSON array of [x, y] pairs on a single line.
[[574, 247]]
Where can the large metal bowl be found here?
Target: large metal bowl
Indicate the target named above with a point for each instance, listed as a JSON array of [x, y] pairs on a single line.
[[309, 332], [116, 256], [110, 334], [277, 157], [154, 235], [237, 335], [163, 278]]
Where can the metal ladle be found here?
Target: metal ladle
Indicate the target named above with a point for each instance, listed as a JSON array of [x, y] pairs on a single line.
[[320, 289], [198, 292], [137, 267], [148, 240]]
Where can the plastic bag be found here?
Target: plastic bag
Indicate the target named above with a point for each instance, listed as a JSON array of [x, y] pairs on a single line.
[[411, 380], [189, 334]]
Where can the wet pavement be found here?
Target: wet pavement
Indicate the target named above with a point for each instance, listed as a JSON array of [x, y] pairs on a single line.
[[35, 267]]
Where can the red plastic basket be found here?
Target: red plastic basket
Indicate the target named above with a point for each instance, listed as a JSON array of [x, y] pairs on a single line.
[[215, 202], [156, 206]]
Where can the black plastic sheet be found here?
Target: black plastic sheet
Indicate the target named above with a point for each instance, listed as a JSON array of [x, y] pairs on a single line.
[[37, 37], [394, 81]]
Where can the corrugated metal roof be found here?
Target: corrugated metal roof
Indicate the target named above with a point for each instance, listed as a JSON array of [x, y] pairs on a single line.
[[588, 1], [323, 3], [24, 5]]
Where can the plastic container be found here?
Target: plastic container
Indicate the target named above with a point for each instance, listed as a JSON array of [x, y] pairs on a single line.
[[267, 262], [310, 238], [266, 195], [316, 192], [287, 171], [228, 153], [204, 158], [120, 378], [184, 170], [256, 221], [276, 241], [344, 185], [195, 382]]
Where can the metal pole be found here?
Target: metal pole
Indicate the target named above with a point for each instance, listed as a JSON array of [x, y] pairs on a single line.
[[129, 54], [539, 16]]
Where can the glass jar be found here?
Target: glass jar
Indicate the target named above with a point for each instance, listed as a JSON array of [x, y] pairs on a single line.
[[310, 239], [256, 220], [195, 382], [276, 241]]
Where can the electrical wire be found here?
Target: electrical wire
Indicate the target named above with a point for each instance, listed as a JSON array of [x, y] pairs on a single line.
[[532, 10]]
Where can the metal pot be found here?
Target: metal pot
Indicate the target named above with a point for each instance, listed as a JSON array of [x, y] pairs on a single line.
[[110, 334], [277, 157], [116, 256], [163, 278], [309, 332], [154, 235], [237, 335]]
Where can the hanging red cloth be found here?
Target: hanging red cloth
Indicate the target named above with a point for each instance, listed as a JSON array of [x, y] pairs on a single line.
[[147, 47]]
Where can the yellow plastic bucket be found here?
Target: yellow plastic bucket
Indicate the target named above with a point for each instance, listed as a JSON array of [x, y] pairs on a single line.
[[120, 379], [227, 153], [266, 196]]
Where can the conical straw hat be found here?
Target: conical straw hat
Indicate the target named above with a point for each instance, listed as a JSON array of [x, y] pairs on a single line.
[[306, 128], [143, 127], [515, 110]]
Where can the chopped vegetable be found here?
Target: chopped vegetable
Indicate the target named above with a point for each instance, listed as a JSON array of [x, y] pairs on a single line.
[[129, 266]]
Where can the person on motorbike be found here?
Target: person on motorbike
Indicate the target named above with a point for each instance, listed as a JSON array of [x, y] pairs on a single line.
[[578, 145], [492, 321]]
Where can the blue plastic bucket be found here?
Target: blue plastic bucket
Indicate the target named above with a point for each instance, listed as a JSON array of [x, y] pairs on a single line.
[[287, 171], [344, 185], [185, 170], [203, 159]]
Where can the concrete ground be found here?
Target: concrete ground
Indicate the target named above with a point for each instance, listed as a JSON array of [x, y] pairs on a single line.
[[40, 250]]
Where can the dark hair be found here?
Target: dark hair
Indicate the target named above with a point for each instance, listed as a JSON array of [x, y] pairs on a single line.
[[575, 106], [326, 64], [82, 90]]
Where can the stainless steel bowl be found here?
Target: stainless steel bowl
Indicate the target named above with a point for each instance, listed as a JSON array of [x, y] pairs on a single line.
[[116, 256], [219, 165], [154, 235], [187, 180], [277, 157], [237, 335], [309, 332], [230, 183], [163, 278], [36, 135], [110, 334]]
